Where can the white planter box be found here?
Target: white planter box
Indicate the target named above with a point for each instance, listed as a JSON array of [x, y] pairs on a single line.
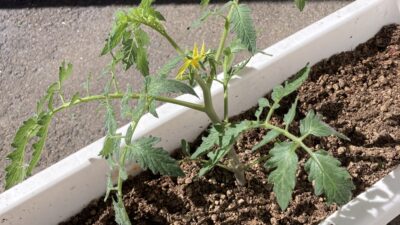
[[63, 189]]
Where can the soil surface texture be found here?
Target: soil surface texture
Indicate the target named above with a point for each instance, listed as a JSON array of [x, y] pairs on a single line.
[[356, 92]]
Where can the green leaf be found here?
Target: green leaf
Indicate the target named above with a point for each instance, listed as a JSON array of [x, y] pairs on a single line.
[[44, 122], [235, 70], [281, 91], [204, 3], [16, 170], [146, 5], [111, 142], [154, 158], [128, 135], [271, 135], [111, 123], [140, 109], [262, 103], [152, 106], [134, 50], [236, 46], [75, 98], [284, 161], [169, 66], [48, 97], [300, 4], [64, 72], [122, 173], [147, 16], [207, 167], [289, 116], [242, 25], [52, 88], [312, 124], [223, 139], [110, 187], [126, 109], [117, 32], [142, 40], [329, 178], [207, 143], [121, 216], [185, 147], [159, 85], [228, 59]]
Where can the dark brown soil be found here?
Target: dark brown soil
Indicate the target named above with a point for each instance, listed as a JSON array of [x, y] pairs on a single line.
[[357, 92]]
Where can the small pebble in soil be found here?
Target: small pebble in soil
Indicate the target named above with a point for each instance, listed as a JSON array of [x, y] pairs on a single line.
[[341, 150], [241, 201]]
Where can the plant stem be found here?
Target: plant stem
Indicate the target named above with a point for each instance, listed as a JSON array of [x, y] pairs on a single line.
[[226, 103], [134, 96], [115, 82], [120, 181], [295, 139], [225, 32], [284, 132], [237, 168], [208, 104], [270, 112]]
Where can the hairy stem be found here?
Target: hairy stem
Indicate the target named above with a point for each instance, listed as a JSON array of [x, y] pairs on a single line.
[[297, 140], [270, 112], [226, 104], [208, 104], [225, 33], [115, 82], [133, 96], [237, 168]]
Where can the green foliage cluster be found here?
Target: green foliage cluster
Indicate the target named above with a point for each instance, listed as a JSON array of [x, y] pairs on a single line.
[[128, 44]]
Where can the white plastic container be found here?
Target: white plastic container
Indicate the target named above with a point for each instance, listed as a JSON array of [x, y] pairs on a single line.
[[63, 189]]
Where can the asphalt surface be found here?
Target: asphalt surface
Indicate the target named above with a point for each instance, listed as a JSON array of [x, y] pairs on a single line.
[[34, 41]]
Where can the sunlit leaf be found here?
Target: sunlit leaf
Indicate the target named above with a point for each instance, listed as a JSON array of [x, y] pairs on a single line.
[[300, 4], [284, 163], [312, 124], [242, 25], [329, 178], [16, 170], [271, 135], [289, 116], [144, 152], [281, 91]]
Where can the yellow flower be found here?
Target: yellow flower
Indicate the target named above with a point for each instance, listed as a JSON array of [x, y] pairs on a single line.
[[192, 61]]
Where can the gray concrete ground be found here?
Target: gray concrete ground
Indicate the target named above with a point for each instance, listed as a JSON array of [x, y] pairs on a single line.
[[33, 43]]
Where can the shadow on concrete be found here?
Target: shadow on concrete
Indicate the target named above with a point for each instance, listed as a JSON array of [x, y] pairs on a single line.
[[16, 4]]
